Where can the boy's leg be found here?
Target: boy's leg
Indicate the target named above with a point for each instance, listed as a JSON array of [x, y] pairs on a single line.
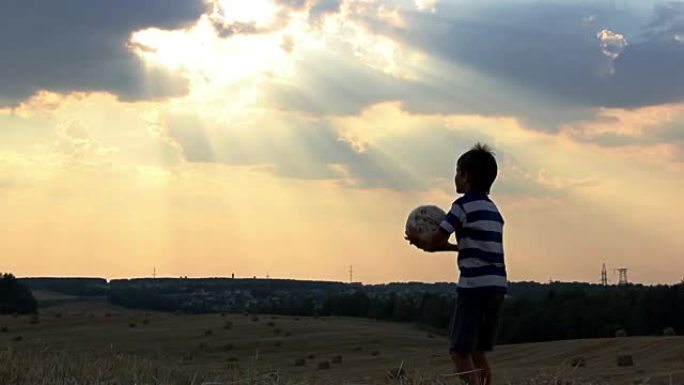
[[464, 330], [480, 361], [487, 332], [463, 362]]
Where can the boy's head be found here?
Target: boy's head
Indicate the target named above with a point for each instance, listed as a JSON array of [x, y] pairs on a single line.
[[476, 170]]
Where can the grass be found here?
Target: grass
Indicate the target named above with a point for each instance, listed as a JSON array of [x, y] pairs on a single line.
[[44, 366], [174, 349]]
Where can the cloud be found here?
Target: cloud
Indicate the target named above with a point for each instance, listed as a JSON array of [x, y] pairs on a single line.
[[612, 44], [543, 52], [81, 45]]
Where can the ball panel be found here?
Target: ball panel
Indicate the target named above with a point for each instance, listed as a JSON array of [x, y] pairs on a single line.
[[423, 221]]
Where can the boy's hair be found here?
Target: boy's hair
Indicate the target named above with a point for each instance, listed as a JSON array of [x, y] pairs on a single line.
[[480, 165]]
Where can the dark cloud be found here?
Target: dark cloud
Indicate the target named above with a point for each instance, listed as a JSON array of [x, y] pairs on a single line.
[[81, 45], [541, 62], [547, 48]]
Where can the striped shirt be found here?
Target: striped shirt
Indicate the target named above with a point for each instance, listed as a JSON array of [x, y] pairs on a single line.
[[479, 233]]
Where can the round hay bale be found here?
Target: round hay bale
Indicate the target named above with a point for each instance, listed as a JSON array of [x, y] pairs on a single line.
[[337, 359], [18, 339], [208, 332], [227, 325], [270, 323], [132, 325], [578, 362], [323, 365], [375, 353], [300, 362], [625, 360], [311, 356], [669, 331], [620, 333]]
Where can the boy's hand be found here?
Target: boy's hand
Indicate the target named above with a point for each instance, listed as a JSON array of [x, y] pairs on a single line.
[[425, 246], [431, 247]]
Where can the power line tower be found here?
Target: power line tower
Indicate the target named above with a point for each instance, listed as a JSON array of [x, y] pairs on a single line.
[[623, 276], [154, 272], [604, 276], [350, 274]]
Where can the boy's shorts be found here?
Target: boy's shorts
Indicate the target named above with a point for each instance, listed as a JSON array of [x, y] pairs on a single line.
[[475, 321]]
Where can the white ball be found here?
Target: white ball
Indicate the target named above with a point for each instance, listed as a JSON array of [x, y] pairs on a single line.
[[423, 221]]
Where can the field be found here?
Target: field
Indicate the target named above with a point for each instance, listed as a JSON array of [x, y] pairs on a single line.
[[94, 337]]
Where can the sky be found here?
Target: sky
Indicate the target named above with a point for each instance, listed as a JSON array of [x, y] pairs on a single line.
[[291, 138]]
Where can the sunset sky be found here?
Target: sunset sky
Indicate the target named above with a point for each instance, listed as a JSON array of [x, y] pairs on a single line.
[[291, 138]]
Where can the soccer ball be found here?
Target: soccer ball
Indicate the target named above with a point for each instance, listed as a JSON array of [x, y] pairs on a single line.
[[423, 221]]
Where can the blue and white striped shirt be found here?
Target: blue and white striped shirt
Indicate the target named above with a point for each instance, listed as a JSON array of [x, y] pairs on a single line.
[[479, 233]]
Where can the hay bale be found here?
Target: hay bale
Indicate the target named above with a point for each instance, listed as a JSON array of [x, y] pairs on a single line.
[[620, 333], [669, 331], [132, 325], [358, 348], [337, 359], [625, 360], [287, 334], [375, 353], [311, 356], [324, 365], [578, 362], [208, 332], [270, 323], [18, 339], [255, 319], [229, 346], [4, 329], [227, 325], [277, 331], [296, 318], [300, 362]]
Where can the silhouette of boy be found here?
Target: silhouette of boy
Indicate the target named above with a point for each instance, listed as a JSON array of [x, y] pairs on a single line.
[[482, 283]]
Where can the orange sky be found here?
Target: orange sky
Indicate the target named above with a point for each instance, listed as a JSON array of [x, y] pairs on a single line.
[[232, 177]]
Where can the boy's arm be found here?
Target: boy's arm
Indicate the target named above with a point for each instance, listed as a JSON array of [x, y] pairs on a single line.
[[439, 242]]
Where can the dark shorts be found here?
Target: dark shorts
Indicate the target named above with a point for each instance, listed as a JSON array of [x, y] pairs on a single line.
[[475, 321]]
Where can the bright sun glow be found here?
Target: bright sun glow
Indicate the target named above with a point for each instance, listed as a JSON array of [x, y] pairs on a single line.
[[259, 12], [204, 55]]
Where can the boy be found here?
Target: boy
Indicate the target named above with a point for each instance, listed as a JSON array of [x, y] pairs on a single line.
[[482, 284]]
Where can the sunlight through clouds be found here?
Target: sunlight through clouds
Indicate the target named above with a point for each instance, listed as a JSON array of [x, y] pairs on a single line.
[[338, 117]]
